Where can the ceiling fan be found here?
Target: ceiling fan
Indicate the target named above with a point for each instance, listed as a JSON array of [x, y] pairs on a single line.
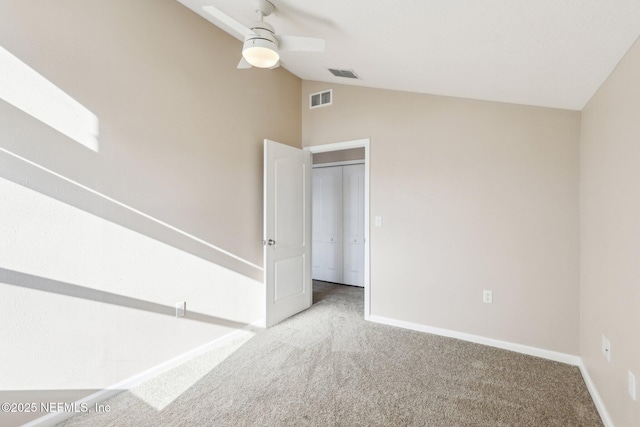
[[262, 46]]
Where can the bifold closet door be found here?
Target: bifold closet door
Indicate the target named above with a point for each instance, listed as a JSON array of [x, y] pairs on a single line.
[[353, 224], [327, 224]]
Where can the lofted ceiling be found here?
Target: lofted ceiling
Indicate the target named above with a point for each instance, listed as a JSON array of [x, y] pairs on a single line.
[[552, 53]]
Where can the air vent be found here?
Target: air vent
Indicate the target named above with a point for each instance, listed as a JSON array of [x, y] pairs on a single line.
[[349, 74], [321, 99]]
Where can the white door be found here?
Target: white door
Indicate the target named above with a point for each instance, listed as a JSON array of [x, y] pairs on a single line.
[[353, 200], [327, 224], [287, 229]]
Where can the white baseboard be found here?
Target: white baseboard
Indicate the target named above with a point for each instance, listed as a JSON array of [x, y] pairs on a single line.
[[519, 348], [57, 417], [597, 400]]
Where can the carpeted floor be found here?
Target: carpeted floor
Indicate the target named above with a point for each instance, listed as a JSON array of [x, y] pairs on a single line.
[[328, 367]]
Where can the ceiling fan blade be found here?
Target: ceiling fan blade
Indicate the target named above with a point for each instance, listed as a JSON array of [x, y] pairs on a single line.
[[227, 23], [243, 64], [301, 44]]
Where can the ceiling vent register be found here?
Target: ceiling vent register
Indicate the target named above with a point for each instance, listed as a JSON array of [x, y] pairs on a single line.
[[349, 74]]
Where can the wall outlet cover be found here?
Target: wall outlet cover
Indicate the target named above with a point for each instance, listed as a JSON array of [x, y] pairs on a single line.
[[181, 307], [487, 296]]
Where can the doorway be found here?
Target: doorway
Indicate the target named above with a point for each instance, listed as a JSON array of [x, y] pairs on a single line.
[[338, 220], [333, 156]]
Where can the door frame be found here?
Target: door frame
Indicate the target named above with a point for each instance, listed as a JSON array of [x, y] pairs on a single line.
[[345, 145]]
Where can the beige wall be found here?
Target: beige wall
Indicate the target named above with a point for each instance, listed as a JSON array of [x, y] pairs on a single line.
[[610, 237], [180, 142], [474, 195]]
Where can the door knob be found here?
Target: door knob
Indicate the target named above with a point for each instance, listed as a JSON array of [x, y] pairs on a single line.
[[271, 242]]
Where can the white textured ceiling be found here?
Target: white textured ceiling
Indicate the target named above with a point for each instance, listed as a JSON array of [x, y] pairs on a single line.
[[553, 53]]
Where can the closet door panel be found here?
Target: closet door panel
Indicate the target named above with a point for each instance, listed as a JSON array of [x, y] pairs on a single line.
[[317, 253], [327, 224], [353, 223]]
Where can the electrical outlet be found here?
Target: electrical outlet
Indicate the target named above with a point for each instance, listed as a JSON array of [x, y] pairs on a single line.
[[181, 307], [633, 390], [487, 296], [606, 348]]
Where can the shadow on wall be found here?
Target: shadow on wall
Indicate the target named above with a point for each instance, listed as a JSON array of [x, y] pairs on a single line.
[[89, 303], [54, 286], [89, 284], [25, 89], [35, 177]]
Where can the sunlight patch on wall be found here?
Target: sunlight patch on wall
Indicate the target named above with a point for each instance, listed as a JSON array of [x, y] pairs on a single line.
[[22, 87], [114, 325]]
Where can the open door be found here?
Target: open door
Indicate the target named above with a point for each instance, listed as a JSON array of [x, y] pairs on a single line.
[[287, 231]]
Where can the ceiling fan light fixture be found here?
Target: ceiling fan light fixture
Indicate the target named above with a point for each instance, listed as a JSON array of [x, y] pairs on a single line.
[[260, 52]]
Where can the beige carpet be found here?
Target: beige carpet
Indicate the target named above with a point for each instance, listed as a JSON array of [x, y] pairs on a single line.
[[328, 367]]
